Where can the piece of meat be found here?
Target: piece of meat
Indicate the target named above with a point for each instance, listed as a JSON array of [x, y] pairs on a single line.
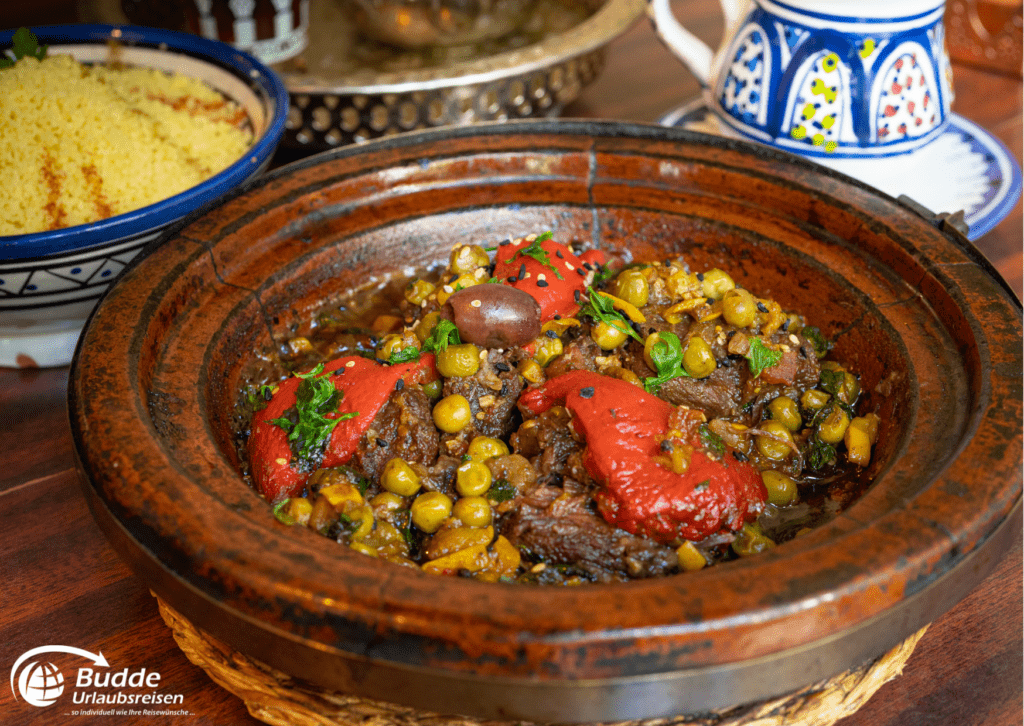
[[403, 428], [492, 393], [561, 528], [547, 441]]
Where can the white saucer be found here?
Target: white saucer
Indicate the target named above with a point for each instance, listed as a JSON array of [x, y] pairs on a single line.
[[966, 168]]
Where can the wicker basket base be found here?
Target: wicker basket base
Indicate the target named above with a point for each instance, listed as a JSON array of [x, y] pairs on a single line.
[[275, 698]]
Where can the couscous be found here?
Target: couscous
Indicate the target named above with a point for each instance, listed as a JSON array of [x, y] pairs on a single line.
[[80, 143]]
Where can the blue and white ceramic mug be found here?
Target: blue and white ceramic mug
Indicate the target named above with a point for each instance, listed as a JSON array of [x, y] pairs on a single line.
[[839, 79]]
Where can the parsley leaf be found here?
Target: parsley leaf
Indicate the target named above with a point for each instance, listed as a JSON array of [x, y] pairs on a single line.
[[760, 356], [603, 310], [24, 44], [712, 441], [667, 355], [444, 334], [405, 355], [315, 397], [538, 253], [501, 491]]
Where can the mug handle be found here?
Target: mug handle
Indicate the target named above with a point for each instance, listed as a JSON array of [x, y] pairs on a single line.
[[686, 46]]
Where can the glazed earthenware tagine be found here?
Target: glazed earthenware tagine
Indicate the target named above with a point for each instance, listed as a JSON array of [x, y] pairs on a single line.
[[911, 306]]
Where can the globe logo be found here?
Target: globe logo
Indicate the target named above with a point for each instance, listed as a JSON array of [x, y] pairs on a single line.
[[41, 684]]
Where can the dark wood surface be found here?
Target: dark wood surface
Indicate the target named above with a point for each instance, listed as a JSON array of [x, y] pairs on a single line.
[[60, 583]]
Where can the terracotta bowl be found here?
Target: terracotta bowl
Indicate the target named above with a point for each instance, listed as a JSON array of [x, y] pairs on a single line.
[[910, 303]]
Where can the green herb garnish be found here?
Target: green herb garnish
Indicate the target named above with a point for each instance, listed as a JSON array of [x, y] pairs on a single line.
[[602, 310], [315, 397], [538, 253], [667, 356], [821, 344], [832, 381], [444, 334], [501, 491], [712, 441], [819, 453], [24, 44], [760, 356], [405, 355]]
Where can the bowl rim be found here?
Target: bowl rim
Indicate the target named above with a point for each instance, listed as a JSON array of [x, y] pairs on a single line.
[[259, 77], [941, 572]]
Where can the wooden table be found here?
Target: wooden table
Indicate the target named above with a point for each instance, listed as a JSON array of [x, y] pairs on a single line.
[[60, 583]]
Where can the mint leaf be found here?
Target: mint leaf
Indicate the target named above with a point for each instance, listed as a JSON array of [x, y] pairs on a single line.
[[760, 356], [821, 345], [667, 356], [819, 453], [832, 381]]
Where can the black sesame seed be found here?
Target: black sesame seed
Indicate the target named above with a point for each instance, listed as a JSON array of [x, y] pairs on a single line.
[[580, 272], [576, 296], [559, 255], [557, 316], [381, 443], [551, 334], [504, 243], [762, 307], [587, 392], [666, 445], [700, 276], [522, 271], [739, 456], [513, 280], [785, 326], [803, 353], [542, 283], [399, 385], [503, 367], [267, 395]]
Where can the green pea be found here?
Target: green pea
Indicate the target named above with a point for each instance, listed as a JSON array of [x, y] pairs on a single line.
[[427, 325], [698, 360], [785, 410], [717, 283], [782, 490], [473, 511], [458, 361], [609, 336], [850, 389], [433, 389], [632, 286], [452, 413], [774, 447], [429, 510], [833, 428], [739, 308], [399, 478], [472, 479]]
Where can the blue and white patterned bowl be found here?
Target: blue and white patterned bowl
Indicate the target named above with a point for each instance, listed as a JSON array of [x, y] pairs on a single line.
[[50, 281]]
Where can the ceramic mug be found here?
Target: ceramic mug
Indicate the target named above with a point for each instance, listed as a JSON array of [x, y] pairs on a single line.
[[841, 79]]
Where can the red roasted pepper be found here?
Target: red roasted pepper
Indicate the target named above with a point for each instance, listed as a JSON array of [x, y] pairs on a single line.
[[623, 427], [366, 385], [555, 296]]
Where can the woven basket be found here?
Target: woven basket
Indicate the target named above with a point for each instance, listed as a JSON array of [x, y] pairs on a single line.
[[275, 698]]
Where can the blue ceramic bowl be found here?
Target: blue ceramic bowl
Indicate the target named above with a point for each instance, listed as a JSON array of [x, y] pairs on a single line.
[[50, 281]]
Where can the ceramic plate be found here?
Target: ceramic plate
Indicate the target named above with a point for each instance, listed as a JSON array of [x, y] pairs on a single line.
[[986, 183]]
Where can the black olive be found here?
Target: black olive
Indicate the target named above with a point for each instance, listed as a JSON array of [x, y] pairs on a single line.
[[494, 316]]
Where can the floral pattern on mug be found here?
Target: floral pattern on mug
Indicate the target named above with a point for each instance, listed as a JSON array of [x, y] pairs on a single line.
[[907, 107], [818, 109], [743, 91]]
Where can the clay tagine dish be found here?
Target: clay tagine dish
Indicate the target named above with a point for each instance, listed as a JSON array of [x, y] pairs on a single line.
[[932, 330]]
